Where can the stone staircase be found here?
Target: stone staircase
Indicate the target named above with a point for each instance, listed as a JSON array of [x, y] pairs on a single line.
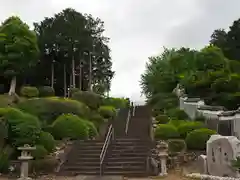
[[126, 154]]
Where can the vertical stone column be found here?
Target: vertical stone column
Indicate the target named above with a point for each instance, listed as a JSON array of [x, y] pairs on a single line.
[[162, 149], [24, 158]]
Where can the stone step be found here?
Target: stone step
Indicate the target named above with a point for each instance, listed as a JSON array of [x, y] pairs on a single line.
[[121, 159]]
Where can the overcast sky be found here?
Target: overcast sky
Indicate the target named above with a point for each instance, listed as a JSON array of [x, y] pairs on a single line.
[[138, 28]]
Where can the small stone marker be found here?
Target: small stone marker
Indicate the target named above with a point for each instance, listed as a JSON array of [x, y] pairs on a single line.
[[162, 149], [24, 158]]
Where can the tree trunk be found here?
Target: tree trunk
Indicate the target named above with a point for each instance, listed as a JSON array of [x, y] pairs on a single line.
[[73, 73], [52, 75], [65, 80], [80, 75], [13, 86]]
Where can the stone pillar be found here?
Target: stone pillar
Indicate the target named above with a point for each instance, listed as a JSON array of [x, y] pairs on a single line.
[[162, 149], [24, 158]]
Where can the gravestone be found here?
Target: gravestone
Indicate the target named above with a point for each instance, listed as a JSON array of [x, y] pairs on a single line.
[[221, 150]]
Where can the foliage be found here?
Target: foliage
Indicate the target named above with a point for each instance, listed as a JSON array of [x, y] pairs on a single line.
[[23, 128], [177, 123], [19, 49], [48, 109], [46, 91], [188, 127], [46, 165], [29, 92], [236, 163], [107, 112], [115, 102], [162, 119], [197, 139], [70, 126], [166, 131], [5, 154], [176, 145], [47, 141], [92, 131], [40, 152], [97, 119], [73, 90], [92, 100], [177, 114]]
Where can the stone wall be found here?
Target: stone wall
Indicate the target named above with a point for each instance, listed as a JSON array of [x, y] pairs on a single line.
[[217, 117]]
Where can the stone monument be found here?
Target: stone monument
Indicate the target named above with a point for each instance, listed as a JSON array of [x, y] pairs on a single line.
[[162, 149], [24, 158], [221, 150]]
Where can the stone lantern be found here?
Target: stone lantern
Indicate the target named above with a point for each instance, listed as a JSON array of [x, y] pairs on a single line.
[[24, 158], [162, 149]]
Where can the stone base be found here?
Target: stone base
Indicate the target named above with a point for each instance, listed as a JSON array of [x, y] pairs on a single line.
[[24, 178], [162, 174]]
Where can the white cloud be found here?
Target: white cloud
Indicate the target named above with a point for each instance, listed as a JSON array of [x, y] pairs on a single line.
[[138, 28]]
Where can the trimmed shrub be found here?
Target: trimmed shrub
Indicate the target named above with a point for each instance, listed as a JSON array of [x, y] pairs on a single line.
[[69, 126], [46, 165], [92, 130], [23, 128], [97, 119], [46, 91], [188, 127], [91, 99], [40, 152], [73, 90], [48, 109], [47, 141], [166, 131], [176, 123], [177, 114], [197, 139], [108, 112], [162, 119], [29, 92], [176, 145], [5, 154], [115, 102]]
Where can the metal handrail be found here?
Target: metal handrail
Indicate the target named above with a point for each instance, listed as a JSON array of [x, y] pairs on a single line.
[[127, 122], [110, 135]]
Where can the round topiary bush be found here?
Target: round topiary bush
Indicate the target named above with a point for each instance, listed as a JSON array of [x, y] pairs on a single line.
[[47, 140], [188, 127], [69, 126], [162, 119], [197, 139], [40, 152], [46, 91], [91, 99], [177, 114], [176, 123], [176, 145], [92, 130], [108, 112], [166, 131], [23, 128], [29, 92], [72, 91], [115, 102], [48, 109]]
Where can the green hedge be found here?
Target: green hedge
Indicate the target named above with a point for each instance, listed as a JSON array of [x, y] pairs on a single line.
[[197, 139], [177, 114], [91, 99], [29, 92], [46, 91], [92, 130], [162, 119], [108, 112], [176, 145], [188, 127], [166, 131], [48, 109], [176, 123], [70, 126], [47, 141], [115, 102]]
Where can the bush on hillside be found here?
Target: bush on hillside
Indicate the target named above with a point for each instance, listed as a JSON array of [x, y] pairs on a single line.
[[108, 112], [69, 126], [197, 139], [176, 123], [166, 131], [23, 128], [91, 99], [188, 127], [176, 145], [115, 102], [48, 109], [29, 92], [72, 91], [46, 91], [5, 154], [92, 130], [40, 152], [177, 114], [47, 141], [162, 119]]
